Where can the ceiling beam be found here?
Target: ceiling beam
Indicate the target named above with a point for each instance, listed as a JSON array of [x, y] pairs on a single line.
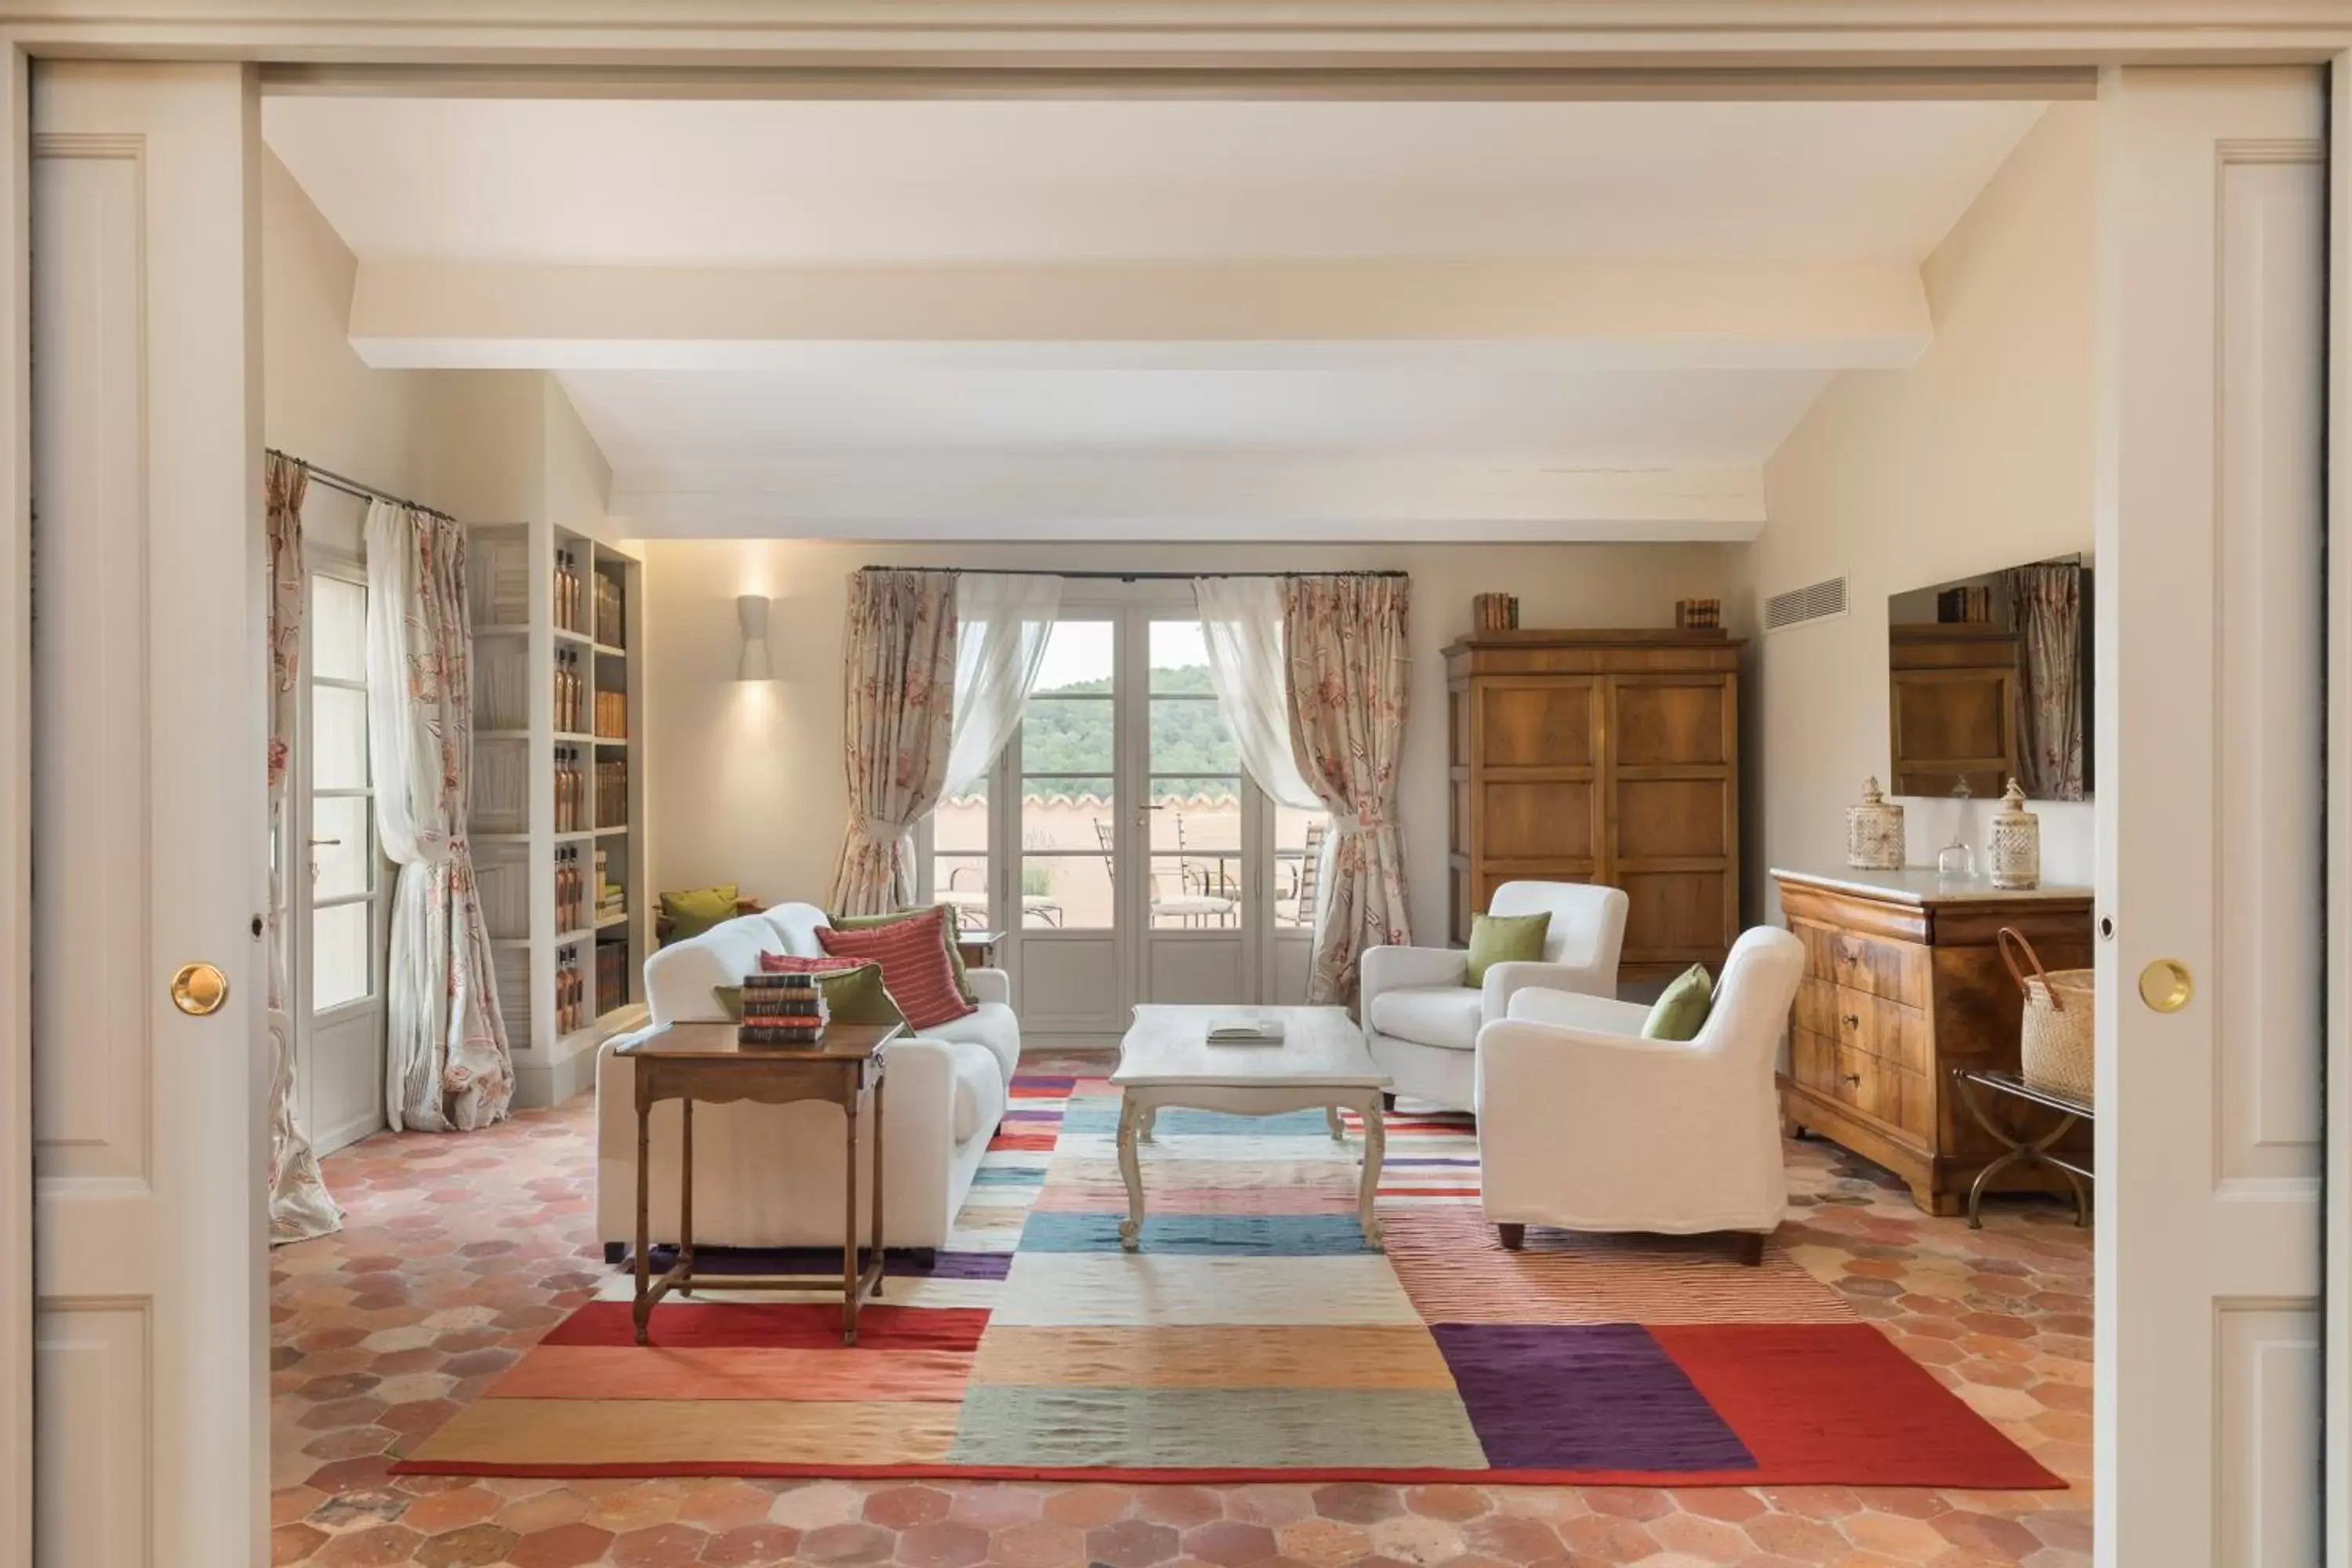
[[1189, 496], [1664, 314]]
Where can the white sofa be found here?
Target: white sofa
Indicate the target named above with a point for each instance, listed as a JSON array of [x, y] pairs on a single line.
[[1421, 1022], [1585, 1125], [772, 1175]]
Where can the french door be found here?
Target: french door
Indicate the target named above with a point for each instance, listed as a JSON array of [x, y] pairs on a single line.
[[1118, 844], [336, 891]]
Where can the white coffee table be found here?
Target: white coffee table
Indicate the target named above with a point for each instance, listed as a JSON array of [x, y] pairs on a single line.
[[1166, 1060]]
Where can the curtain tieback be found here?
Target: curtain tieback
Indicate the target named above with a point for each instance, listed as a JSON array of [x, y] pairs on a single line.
[[878, 830], [1368, 819]]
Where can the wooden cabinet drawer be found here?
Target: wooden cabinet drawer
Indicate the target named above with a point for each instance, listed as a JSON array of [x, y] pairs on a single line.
[[1860, 1021], [1884, 1090], [1898, 971]]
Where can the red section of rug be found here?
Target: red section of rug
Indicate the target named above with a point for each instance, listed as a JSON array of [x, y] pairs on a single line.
[[1837, 1403], [777, 1326]]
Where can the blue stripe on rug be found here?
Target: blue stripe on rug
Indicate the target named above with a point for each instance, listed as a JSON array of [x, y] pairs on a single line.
[[1103, 1119], [1235, 1234], [1009, 1177]]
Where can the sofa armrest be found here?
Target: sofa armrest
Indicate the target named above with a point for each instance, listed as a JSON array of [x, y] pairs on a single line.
[[1390, 968], [990, 986]]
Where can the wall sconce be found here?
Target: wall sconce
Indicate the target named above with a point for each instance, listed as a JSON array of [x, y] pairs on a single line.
[[751, 664]]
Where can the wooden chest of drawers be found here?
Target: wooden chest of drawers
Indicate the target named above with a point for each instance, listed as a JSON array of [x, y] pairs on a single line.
[[1903, 984]]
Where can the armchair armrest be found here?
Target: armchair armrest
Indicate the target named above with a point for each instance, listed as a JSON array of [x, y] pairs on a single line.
[[990, 986], [1388, 968], [1506, 979], [1575, 1010]]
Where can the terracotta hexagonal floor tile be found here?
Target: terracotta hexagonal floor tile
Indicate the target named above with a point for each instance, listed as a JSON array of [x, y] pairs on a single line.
[[943, 1543], [753, 1546], [560, 1546], [470, 1546], [295, 1543], [659, 1546], [1180, 1506], [1041, 1543], [1230, 1542], [377, 1546], [901, 1507], [1512, 1538], [1088, 1506], [994, 1505], [1324, 1541], [814, 1505], [1357, 1502], [1695, 1535], [1455, 1503], [1131, 1543], [446, 1511], [847, 1544]]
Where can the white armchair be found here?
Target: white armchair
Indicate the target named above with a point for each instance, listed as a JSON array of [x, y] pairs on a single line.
[[1585, 1125], [1421, 1022]]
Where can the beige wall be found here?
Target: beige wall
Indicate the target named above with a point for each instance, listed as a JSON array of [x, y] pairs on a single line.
[[744, 781], [1978, 457]]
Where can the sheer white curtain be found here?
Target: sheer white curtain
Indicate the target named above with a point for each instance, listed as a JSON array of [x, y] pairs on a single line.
[[447, 1067], [1003, 621], [1240, 622]]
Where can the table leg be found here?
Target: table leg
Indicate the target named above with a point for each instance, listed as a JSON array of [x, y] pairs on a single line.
[[1332, 1120], [1130, 1121], [849, 1228], [685, 1197], [1376, 1144], [879, 1262], [640, 1309]]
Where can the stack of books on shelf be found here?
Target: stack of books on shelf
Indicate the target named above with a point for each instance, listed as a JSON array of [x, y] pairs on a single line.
[[608, 611], [610, 899], [1964, 606], [1495, 612], [611, 976], [782, 1010]]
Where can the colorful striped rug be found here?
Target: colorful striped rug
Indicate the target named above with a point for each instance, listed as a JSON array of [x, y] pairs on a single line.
[[1255, 1337]]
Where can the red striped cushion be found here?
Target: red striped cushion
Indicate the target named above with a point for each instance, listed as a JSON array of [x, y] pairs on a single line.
[[913, 953]]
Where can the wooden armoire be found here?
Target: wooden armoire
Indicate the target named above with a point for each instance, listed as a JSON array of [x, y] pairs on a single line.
[[1601, 756]]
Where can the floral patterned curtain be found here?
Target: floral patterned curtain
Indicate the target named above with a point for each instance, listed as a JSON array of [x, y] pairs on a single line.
[[898, 688], [1344, 642], [300, 1206], [2046, 600], [448, 1066]]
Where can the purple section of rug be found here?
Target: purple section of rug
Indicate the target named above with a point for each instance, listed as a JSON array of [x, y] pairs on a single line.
[[1569, 1396], [826, 1261], [1033, 1116]]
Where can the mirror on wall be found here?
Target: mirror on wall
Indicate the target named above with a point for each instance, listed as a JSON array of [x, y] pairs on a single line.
[[1988, 679]]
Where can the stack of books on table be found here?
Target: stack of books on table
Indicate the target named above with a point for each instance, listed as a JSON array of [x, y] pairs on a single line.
[[782, 1010], [1244, 1029]]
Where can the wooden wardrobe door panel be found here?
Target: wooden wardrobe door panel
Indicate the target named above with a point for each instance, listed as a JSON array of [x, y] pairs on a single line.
[[1674, 916], [1537, 819], [1667, 819], [1953, 723], [1670, 723], [1546, 723]]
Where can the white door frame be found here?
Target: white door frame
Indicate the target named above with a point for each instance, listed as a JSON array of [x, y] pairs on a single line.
[[1464, 48]]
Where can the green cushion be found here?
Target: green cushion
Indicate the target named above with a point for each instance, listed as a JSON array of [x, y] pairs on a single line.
[[955, 954], [1681, 1009], [1506, 939], [696, 909], [852, 996]]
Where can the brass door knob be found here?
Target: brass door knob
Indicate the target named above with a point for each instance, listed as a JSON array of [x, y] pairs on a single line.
[[199, 989], [2166, 986]]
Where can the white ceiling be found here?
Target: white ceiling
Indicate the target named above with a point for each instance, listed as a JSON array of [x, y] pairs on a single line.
[[873, 187], [642, 183]]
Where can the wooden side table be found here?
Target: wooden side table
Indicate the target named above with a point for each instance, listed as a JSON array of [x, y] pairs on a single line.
[[690, 1062], [978, 947]]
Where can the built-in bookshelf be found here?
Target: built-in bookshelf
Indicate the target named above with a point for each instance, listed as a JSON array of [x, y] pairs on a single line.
[[558, 795]]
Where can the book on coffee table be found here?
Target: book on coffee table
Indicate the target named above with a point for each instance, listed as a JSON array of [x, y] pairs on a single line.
[[1244, 1029]]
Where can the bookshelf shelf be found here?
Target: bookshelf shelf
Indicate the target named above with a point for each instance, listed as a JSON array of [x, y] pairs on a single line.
[[553, 611]]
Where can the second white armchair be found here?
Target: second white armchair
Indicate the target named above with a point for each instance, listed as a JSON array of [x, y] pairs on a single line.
[[1421, 1020]]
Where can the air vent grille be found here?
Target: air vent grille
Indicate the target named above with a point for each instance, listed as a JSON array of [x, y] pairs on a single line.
[[1801, 607]]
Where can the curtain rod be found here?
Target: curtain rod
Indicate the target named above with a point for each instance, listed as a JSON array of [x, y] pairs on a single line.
[[1124, 576], [351, 487]]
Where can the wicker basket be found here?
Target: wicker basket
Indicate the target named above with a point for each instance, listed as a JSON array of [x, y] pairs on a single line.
[[2055, 1049]]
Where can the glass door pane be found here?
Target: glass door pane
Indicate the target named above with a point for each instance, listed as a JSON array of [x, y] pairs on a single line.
[[1194, 773], [1069, 794]]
